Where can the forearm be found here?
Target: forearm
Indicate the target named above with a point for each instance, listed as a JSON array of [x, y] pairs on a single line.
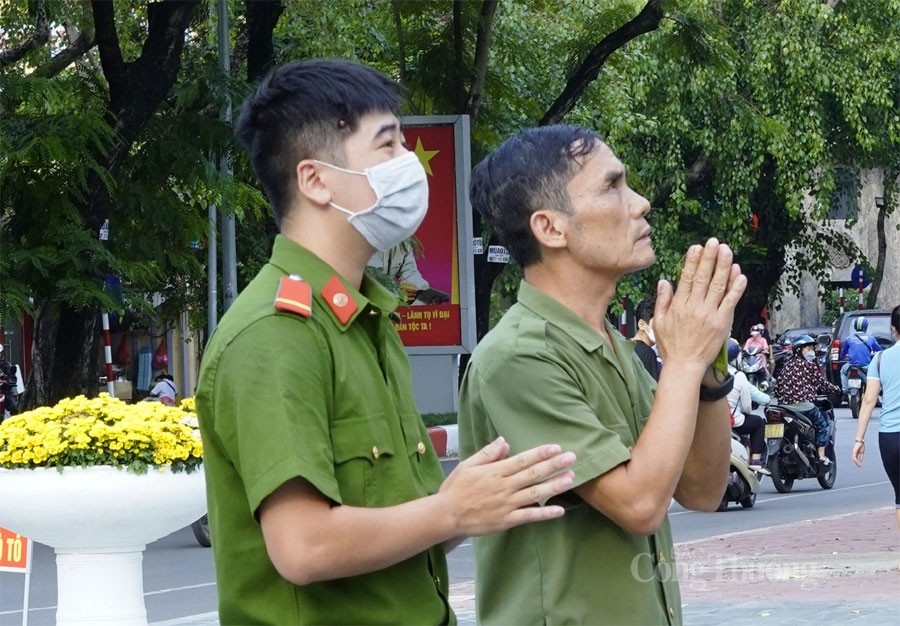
[[866, 408], [706, 467], [326, 541]]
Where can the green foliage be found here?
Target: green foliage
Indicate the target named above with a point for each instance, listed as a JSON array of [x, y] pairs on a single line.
[[772, 97], [439, 419]]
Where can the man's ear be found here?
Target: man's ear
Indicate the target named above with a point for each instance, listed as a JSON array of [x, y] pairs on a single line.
[[310, 184], [548, 227]]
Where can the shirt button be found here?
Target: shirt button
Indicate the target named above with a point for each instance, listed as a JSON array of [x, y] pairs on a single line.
[[671, 612], [373, 312], [421, 448], [437, 581], [662, 557], [376, 452]]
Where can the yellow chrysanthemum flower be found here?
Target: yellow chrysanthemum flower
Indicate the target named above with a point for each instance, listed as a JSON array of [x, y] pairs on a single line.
[[103, 431]]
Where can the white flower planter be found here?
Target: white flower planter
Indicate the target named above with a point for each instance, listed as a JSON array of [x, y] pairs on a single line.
[[99, 520]]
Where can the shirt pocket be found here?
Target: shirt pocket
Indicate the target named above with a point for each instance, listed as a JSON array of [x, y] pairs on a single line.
[[421, 456], [364, 453]]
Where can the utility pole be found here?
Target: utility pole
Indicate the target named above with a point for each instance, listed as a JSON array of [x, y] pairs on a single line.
[[229, 249]]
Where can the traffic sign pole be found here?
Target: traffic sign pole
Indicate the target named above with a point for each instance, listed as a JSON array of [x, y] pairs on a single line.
[[15, 556]]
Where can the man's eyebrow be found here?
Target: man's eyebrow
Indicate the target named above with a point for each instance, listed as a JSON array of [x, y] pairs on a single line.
[[389, 128], [613, 176]]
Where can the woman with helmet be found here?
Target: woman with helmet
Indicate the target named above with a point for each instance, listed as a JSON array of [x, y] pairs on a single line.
[[858, 349], [800, 382], [758, 340], [740, 402]]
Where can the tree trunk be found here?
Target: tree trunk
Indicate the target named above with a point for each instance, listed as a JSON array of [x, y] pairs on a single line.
[[872, 298], [65, 355]]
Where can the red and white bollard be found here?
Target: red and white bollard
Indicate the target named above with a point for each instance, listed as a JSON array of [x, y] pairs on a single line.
[[107, 356]]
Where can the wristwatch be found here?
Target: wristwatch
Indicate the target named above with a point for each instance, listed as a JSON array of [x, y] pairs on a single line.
[[711, 394]]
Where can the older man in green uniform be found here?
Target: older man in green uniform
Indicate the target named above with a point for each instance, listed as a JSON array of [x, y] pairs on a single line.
[[554, 366], [326, 500]]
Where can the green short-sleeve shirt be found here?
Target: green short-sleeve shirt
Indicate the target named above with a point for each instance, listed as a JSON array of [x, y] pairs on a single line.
[[283, 396], [543, 375]]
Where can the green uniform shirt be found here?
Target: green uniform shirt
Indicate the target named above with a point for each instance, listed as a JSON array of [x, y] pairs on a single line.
[[543, 375], [282, 396]]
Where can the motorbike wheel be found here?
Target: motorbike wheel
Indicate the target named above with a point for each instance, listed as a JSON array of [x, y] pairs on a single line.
[[782, 483], [836, 399], [201, 531], [827, 480], [748, 501], [854, 405]]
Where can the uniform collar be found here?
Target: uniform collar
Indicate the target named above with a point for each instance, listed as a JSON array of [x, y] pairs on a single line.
[[566, 320], [292, 258]]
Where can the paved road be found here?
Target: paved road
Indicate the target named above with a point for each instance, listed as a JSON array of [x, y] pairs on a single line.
[[731, 565]]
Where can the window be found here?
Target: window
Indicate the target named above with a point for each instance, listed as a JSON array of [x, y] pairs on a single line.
[[845, 199]]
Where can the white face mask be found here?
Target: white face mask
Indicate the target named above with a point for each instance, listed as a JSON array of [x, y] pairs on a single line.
[[401, 201], [809, 355]]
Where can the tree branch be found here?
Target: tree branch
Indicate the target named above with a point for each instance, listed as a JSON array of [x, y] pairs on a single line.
[[108, 45], [459, 93], [83, 42], [39, 37], [482, 51], [646, 21], [698, 174], [262, 16], [401, 40]]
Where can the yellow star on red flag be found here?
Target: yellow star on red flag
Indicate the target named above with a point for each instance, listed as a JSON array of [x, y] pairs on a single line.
[[425, 156]]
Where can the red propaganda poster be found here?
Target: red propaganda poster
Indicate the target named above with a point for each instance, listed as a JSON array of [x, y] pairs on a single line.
[[427, 267]]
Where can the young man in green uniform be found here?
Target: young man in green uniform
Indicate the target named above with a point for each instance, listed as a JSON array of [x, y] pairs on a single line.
[[558, 198], [327, 503]]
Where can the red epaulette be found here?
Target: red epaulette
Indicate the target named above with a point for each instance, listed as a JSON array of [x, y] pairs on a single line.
[[294, 296], [339, 299]]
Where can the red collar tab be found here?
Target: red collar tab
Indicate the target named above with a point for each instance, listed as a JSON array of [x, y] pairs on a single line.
[[339, 299], [294, 296]]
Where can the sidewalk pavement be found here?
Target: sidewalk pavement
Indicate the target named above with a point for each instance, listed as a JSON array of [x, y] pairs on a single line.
[[836, 570]]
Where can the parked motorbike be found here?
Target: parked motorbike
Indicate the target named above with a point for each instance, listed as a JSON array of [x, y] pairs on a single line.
[[743, 483], [751, 362], [201, 531], [856, 389], [791, 444]]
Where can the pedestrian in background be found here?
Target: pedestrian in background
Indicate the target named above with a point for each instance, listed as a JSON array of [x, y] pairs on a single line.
[[327, 503], [884, 377], [644, 339], [554, 366]]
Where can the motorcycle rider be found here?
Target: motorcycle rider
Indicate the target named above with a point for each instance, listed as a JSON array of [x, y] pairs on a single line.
[[800, 382], [740, 403], [8, 382], [757, 339], [858, 349]]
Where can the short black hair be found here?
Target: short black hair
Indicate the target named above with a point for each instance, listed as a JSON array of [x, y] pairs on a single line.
[[644, 309], [306, 109], [528, 172]]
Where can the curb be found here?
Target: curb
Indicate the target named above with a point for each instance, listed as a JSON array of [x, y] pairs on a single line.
[[445, 440]]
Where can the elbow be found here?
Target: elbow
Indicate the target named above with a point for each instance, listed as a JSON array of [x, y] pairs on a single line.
[[705, 503], [645, 517], [300, 567], [706, 498]]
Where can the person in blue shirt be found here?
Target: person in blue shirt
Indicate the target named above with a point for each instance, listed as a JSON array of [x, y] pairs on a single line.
[[884, 375], [857, 350]]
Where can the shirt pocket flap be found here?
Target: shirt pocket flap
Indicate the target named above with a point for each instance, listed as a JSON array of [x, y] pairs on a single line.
[[361, 438]]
